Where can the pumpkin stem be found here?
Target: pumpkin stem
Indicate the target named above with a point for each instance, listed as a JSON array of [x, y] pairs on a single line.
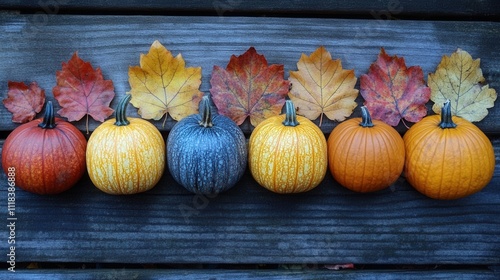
[[290, 114], [446, 119], [366, 119], [205, 112], [48, 121], [121, 118]]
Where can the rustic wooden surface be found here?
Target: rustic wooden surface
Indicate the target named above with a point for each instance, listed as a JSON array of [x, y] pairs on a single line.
[[394, 9], [249, 225], [198, 274], [34, 52]]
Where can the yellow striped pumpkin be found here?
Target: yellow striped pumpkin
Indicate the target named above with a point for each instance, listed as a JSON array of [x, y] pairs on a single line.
[[125, 155], [287, 153]]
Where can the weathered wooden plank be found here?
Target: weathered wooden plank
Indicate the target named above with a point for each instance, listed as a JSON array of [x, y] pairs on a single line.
[[116, 274], [33, 48], [250, 225], [372, 9]]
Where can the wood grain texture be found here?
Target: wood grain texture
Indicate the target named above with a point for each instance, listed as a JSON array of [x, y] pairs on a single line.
[[476, 9], [142, 274], [250, 225], [34, 46]]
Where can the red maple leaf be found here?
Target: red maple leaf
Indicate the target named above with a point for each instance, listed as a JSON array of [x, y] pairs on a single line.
[[249, 87], [23, 101], [82, 91], [393, 92]]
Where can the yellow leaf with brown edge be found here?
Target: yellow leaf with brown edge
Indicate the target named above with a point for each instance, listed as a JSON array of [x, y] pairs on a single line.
[[459, 79], [322, 87], [163, 84]]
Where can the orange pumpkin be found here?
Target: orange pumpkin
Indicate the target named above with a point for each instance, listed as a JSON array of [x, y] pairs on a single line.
[[287, 153], [365, 155], [448, 157]]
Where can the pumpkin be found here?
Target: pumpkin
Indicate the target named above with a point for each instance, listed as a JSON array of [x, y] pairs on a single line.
[[448, 157], [365, 155], [47, 154], [206, 153], [125, 155], [287, 153]]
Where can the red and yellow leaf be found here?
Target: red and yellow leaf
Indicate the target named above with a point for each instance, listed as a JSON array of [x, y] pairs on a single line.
[[82, 91], [322, 87], [24, 101], [162, 84], [393, 92], [248, 87]]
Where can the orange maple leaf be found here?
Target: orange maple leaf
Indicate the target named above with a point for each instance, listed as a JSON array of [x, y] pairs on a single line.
[[249, 87], [162, 84], [322, 87], [23, 101], [82, 91]]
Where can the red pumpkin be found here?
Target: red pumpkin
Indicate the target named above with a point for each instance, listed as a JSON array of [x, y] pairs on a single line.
[[47, 155]]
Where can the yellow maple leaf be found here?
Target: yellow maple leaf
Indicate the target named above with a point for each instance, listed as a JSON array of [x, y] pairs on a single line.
[[162, 84], [321, 87], [458, 78]]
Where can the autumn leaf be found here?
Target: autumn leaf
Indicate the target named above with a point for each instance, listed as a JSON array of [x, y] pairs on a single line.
[[82, 91], [459, 78], [322, 87], [162, 84], [23, 101], [249, 87], [393, 92]]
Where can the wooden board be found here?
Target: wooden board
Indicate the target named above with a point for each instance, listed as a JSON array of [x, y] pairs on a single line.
[[33, 47], [309, 274], [395, 9], [250, 225]]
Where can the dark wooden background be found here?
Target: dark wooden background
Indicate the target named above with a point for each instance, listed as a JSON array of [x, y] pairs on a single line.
[[392, 234]]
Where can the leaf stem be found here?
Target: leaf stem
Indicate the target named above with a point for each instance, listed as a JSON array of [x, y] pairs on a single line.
[[404, 123], [48, 121], [87, 124], [164, 120], [290, 114]]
